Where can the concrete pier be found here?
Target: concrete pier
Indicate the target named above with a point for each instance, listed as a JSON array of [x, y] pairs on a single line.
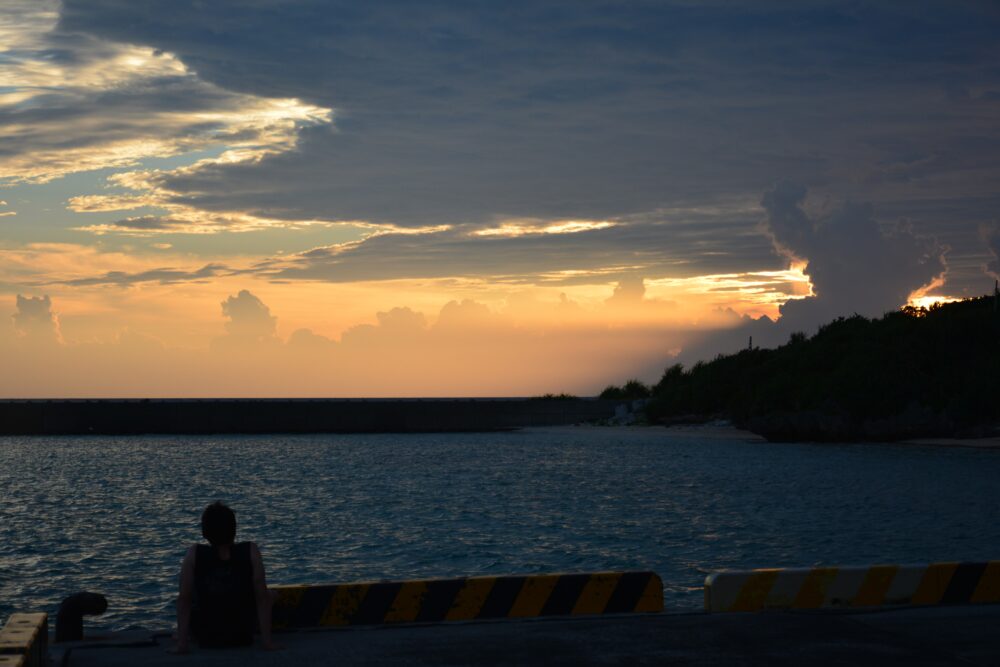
[[946, 635]]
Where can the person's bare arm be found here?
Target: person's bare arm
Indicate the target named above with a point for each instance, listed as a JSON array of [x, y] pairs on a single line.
[[262, 597], [184, 598]]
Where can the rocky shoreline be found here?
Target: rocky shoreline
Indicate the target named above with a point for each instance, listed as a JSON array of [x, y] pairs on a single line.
[[824, 427]]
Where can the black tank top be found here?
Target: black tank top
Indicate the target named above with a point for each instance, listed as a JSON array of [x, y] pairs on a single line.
[[224, 608]]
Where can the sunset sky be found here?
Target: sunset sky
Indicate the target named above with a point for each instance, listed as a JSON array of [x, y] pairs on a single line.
[[324, 198]]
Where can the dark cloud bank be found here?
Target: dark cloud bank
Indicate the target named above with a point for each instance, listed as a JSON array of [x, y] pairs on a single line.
[[452, 112]]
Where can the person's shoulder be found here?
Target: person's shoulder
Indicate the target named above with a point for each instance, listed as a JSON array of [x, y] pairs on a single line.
[[191, 554]]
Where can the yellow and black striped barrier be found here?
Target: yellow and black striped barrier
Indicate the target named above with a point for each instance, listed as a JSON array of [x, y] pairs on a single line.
[[466, 599], [24, 640], [854, 587]]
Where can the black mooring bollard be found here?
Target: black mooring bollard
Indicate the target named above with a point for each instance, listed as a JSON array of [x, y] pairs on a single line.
[[69, 619]]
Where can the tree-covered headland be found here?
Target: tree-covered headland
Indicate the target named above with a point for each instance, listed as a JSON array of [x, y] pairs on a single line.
[[916, 372]]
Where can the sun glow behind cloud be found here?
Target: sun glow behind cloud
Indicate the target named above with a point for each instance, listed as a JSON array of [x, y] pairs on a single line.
[[756, 293], [928, 300], [514, 228]]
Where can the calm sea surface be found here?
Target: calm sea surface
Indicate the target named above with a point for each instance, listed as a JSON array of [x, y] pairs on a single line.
[[114, 515]]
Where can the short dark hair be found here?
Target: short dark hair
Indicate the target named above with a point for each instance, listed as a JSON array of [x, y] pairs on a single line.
[[218, 524]]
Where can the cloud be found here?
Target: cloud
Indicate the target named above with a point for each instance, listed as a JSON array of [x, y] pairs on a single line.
[[529, 145], [469, 348], [677, 261], [307, 341], [533, 112], [163, 276], [564, 109], [630, 291], [186, 220], [467, 315], [464, 114], [72, 102], [394, 330], [855, 266], [76, 265], [34, 320], [250, 322], [464, 348], [659, 245]]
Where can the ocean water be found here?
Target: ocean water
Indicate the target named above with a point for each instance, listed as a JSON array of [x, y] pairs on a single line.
[[115, 515]]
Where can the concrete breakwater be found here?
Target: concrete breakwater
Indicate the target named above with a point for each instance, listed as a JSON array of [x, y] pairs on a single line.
[[306, 415]]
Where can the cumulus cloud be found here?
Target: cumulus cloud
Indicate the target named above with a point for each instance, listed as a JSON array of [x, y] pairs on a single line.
[[855, 265], [470, 348], [249, 320], [463, 348], [467, 315], [630, 291], [397, 325], [35, 321], [307, 341]]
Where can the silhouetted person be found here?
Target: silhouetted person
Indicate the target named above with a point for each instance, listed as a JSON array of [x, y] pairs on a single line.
[[223, 590]]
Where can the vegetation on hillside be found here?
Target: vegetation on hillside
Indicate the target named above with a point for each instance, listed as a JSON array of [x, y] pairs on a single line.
[[914, 372], [556, 397], [631, 390]]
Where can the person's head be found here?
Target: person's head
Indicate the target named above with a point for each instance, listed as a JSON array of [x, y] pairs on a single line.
[[218, 524]]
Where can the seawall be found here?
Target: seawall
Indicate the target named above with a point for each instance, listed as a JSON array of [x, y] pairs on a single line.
[[305, 415]]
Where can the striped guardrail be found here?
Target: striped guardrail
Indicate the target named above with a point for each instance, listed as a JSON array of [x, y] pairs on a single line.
[[853, 587], [24, 641], [466, 599]]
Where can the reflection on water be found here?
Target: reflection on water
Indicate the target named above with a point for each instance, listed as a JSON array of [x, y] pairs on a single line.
[[114, 515]]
